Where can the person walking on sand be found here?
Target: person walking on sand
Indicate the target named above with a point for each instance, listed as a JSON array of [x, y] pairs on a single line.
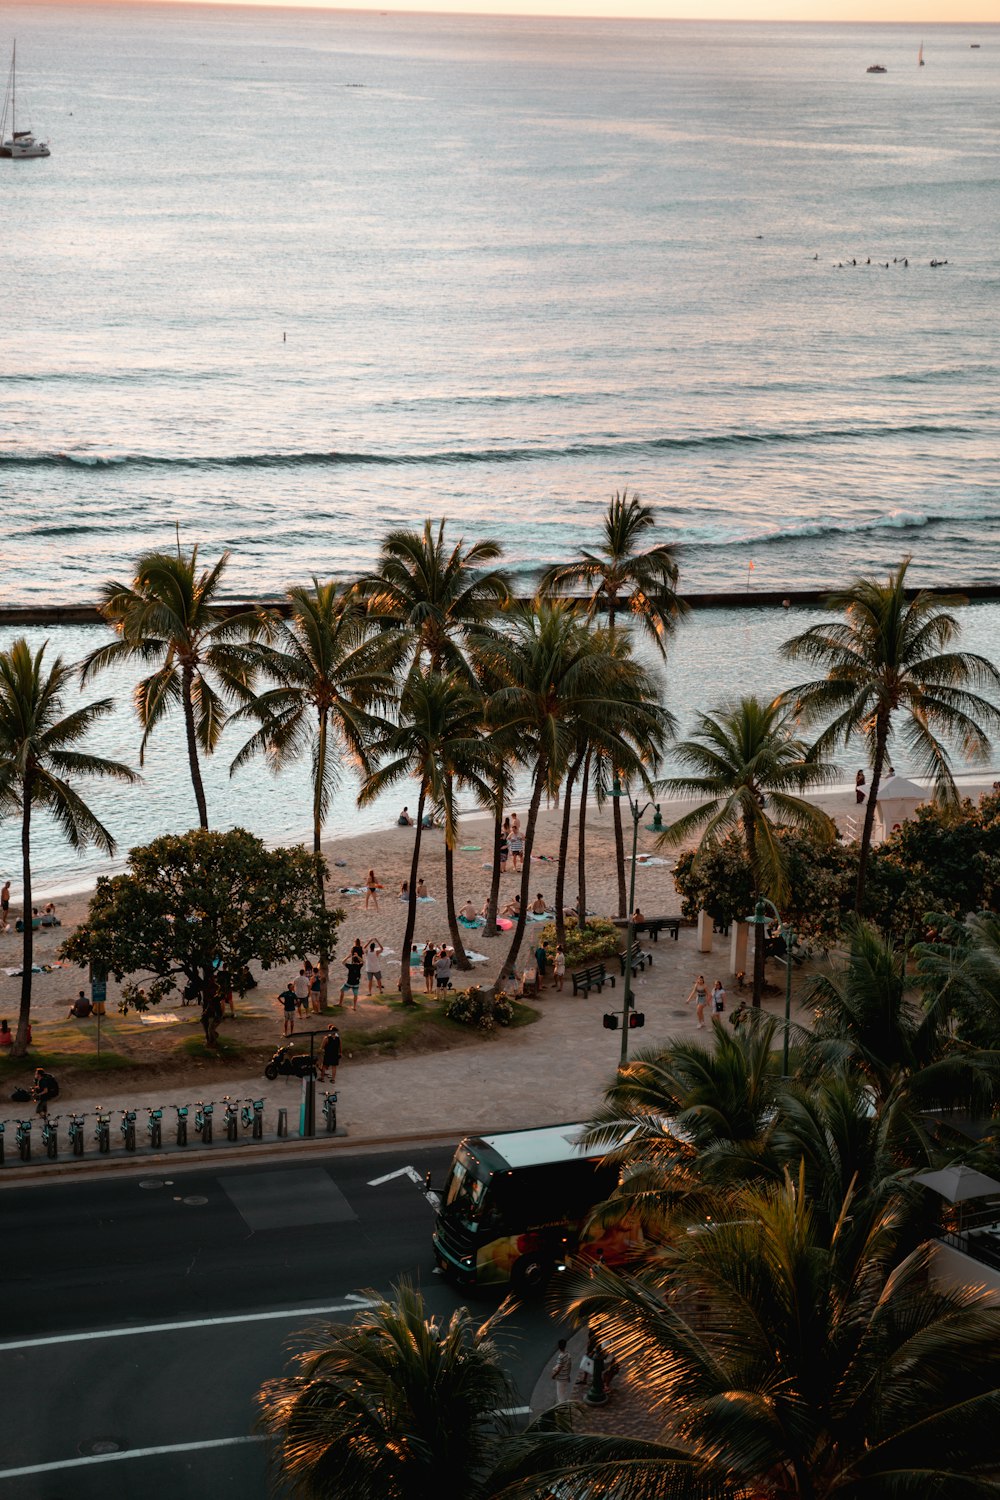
[[859, 787], [373, 964], [699, 994], [504, 846], [372, 889], [516, 844], [561, 1372], [330, 1053]]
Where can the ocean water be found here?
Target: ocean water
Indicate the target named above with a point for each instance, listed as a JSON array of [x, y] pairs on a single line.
[[291, 278]]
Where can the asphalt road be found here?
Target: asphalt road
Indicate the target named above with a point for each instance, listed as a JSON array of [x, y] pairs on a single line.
[[139, 1315]]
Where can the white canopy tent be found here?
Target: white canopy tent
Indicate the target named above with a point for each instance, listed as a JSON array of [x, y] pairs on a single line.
[[897, 801]]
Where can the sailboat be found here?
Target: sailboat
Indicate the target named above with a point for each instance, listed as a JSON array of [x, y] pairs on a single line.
[[20, 144], [920, 56]]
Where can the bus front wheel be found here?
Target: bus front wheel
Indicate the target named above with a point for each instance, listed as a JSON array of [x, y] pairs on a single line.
[[529, 1275]]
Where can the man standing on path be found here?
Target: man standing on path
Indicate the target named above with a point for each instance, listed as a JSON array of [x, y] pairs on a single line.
[[352, 979], [561, 1371], [287, 1000], [301, 987], [542, 963], [329, 1057]]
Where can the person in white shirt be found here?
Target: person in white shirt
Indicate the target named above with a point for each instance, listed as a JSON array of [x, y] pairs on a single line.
[[301, 987], [373, 963]]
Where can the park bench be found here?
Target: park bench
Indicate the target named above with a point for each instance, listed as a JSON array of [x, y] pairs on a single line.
[[593, 978], [654, 926], [640, 958]]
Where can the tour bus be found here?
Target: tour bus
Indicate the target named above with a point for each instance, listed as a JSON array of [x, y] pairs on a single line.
[[515, 1205]]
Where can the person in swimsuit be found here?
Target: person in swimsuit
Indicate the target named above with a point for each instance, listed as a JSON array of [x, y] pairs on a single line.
[[699, 994], [372, 889]]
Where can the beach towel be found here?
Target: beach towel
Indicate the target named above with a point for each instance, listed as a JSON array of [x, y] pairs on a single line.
[[341, 864], [470, 848], [472, 922], [541, 916], [651, 859], [424, 900], [476, 958], [352, 890]]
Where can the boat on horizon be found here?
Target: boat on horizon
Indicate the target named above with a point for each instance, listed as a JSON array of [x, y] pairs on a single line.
[[876, 68], [20, 145]]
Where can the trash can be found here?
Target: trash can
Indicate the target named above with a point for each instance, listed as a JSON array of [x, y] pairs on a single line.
[[282, 1122]]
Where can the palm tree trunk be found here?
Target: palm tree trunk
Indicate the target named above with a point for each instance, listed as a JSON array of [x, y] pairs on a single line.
[[560, 896], [405, 988], [461, 957], [321, 752], [20, 1046], [620, 854], [881, 739], [529, 839], [192, 745], [491, 929], [581, 853], [759, 942]]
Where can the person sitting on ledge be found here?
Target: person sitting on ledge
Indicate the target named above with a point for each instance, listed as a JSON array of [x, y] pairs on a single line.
[[637, 917]]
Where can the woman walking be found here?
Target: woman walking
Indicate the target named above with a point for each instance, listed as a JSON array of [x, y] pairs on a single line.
[[699, 994], [372, 889], [559, 966], [718, 998]]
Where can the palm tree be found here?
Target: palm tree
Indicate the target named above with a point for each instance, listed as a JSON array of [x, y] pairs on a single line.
[[438, 729], [393, 1406], [961, 977], [435, 593], [557, 676], [890, 657], [169, 614], [620, 578], [38, 768], [786, 1361], [746, 761]]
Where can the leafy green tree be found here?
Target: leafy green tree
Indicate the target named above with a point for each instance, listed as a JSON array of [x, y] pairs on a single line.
[[622, 578], [892, 657], [434, 593], [944, 861], [392, 1406], [40, 766], [440, 719], [745, 760], [170, 615], [808, 1364], [192, 903], [960, 975]]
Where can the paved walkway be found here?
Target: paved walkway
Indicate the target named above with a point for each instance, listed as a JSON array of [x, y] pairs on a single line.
[[553, 1071]]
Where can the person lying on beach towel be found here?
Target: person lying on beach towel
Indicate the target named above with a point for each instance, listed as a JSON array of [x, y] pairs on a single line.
[[352, 890]]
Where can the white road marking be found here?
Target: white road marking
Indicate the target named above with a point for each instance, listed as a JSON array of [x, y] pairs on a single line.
[[123, 1333], [113, 1458], [411, 1172]]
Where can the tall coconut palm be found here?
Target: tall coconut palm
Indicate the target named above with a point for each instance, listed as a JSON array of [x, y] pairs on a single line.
[[749, 765], [438, 728], [557, 675], [169, 615], [786, 1362], [392, 1406], [622, 579], [891, 657], [39, 766], [434, 592]]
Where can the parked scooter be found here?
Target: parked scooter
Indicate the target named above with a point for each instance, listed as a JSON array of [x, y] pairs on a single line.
[[289, 1064]]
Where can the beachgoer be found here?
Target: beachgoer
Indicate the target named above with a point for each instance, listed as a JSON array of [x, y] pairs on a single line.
[[330, 1052], [718, 998], [541, 963], [637, 917], [739, 1014], [300, 984], [469, 911], [559, 966], [859, 784], [316, 990], [430, 954], [442, 969], [43, 1089], [516, 846], [529, 978], [699, 994], [373, 964], [561, 1372], [421, 889], [49, 918], [404, 891], [224, 980], [352, 980], [372, 889], [515, 825], [504, 846], [6, 1035], [5, 904], [513, 907], [538, 905], [287, 1000], [404, 820], [81, 1009]]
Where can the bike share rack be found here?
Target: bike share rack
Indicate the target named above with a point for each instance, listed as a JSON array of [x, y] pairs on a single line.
[[237, 1114]]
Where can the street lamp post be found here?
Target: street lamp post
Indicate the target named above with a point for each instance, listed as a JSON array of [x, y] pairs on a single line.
[[618, 790], [761, 919]]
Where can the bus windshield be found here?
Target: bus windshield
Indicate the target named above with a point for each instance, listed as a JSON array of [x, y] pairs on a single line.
[[464, 1191]]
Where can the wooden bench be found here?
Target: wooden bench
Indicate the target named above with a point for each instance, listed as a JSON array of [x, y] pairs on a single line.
[[593, 978], [640, 959], [654, 926]]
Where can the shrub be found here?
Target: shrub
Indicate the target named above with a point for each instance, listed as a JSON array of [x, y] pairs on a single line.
[[597, 940], [478, 1007]]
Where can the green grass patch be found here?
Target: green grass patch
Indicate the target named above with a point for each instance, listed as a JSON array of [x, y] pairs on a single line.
[[194, 1046], [109, 1061]]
